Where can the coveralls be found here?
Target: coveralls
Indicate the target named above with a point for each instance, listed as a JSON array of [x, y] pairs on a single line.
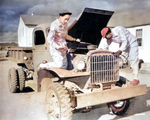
[[128, 43], [58, 45]]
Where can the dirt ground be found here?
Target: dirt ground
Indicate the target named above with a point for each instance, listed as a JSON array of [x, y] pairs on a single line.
[[31, 105]]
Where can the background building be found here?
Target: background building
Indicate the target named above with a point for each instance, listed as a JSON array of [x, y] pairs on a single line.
[[143, 36]]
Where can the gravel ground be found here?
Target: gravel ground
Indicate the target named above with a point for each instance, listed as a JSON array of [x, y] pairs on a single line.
[[31, 105]]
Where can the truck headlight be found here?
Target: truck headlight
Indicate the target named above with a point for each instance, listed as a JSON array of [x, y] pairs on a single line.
[[25, 58], [81, 65]]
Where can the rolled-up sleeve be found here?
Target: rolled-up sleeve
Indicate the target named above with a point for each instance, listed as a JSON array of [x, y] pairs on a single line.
[[51, 33], [103, 44], [124, 41]]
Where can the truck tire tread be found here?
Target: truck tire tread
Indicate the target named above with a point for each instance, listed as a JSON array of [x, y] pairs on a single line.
[[12, 80], [21, 76], [63, 99]]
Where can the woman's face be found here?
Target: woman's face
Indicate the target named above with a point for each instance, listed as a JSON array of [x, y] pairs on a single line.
[[109, 36], [64, 19]]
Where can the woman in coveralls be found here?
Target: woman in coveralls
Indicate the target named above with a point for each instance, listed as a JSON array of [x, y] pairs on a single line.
[[128, 43], [57, 39]]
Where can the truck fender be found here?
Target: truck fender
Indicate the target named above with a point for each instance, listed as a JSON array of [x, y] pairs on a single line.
[[44, 79], [63, 73]]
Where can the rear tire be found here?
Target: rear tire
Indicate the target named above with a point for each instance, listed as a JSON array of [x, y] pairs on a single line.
[[58, 103], [21, 76], [12, 80]]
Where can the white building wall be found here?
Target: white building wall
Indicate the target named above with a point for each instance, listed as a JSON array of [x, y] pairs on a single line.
[[24, 35], [144, 50], [21, 34]]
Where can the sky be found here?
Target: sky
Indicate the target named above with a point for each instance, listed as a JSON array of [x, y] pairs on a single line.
[[10, 11]]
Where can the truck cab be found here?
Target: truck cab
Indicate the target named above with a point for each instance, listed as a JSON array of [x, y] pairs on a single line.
[[40, 45]]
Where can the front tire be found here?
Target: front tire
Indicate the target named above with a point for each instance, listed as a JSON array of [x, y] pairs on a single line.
[[12, 80], [58, 103], [119, 107]]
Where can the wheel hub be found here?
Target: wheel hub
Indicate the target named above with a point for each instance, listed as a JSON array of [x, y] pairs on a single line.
[[53, 107], [119, 104]]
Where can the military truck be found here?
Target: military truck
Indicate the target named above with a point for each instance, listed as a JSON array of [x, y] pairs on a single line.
[[92, 77]]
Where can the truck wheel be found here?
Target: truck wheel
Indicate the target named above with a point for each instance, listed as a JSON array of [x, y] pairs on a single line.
[[58, 103], [12, 80], [21, 76], [119, 107]]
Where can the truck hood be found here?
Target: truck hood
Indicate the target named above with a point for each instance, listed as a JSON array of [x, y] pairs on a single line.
[[89, 24]]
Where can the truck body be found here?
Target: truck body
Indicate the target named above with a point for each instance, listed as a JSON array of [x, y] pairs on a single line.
[[91, 79]]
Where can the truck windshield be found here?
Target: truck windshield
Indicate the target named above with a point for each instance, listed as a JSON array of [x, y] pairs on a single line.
[[39, 38]]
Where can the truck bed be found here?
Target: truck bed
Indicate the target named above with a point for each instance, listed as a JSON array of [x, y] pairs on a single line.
[[21, 55]]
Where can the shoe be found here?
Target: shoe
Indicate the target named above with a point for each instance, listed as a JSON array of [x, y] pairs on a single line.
[[140, 62], [44, 61], [40, 68], [134, 82], [85, 110]]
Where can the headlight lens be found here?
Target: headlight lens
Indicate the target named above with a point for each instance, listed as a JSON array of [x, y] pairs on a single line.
[[25, 58], [81, 65]]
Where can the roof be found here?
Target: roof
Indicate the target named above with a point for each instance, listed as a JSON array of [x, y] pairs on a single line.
[[33, 20], [37, 19], [128, 20]]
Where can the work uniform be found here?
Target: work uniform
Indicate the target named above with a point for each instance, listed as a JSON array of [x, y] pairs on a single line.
[[128, 43], [58, 45]]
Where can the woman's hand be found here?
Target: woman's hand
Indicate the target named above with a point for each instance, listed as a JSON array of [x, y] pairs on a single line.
[[119, 52], [78, 40]]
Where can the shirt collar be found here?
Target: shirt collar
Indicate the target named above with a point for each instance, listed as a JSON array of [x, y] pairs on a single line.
[[59, 23]]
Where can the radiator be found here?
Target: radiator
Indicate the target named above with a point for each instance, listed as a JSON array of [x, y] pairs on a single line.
[[103, 68]]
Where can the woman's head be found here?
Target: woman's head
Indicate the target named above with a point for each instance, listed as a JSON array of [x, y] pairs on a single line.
[[64, 16], [106, 33]]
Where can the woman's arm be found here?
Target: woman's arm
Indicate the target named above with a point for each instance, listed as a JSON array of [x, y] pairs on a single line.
[[123, 41], [51, 33], [68, 37]]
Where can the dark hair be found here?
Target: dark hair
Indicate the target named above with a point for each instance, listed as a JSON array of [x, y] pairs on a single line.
[[109, 31], [63, 14]]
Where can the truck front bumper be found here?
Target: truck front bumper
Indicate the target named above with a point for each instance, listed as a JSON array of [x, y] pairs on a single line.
[[106, 96]]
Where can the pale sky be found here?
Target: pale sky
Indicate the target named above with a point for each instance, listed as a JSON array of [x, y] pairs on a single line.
[[127, 12]]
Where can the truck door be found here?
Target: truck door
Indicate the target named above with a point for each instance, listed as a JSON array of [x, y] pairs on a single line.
[[40, 46]]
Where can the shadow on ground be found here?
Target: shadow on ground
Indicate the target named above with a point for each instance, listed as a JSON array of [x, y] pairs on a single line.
[[25, 90]]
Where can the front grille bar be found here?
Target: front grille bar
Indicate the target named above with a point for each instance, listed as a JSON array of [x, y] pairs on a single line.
[[104, 68]]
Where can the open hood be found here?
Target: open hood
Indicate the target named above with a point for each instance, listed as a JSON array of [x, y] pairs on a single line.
[[89, 24]]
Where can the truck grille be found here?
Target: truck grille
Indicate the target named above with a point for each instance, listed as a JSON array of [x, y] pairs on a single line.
[[104, 68]]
